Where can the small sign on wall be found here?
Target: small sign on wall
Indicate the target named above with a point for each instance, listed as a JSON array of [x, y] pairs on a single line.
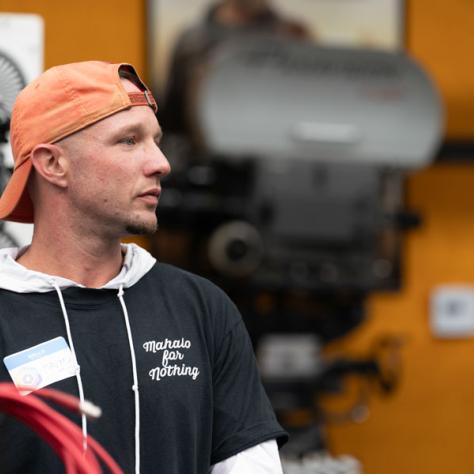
[[452, 311]]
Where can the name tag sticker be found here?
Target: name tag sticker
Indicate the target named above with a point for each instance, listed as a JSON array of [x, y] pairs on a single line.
[[41, 365]]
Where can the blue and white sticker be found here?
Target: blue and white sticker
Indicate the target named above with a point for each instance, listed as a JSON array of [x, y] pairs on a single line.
[[41, 365]]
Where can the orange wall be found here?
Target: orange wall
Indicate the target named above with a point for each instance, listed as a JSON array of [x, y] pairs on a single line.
[[108, 30], [441, 36]]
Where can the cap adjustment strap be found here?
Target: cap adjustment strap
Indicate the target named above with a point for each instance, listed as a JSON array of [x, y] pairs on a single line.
[[143, 98]]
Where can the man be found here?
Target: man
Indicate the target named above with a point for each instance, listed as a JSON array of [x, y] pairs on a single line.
[[164, 353]]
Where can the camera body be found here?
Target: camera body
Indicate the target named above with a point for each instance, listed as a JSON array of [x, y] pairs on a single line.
[[290, 225], [296, 162]]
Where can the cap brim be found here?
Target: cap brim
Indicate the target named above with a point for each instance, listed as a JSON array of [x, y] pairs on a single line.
[[15, 203]]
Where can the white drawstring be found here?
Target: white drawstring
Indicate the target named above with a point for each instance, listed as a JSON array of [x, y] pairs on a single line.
[[78, 368], [134, 370], [135, 381]]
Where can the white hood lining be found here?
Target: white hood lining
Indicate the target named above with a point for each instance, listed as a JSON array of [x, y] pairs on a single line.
[[17, 278]]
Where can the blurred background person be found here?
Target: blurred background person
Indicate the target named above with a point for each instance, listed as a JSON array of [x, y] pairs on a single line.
[[224, 20]]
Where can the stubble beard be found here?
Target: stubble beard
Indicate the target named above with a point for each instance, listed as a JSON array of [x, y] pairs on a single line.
[[142, 228]]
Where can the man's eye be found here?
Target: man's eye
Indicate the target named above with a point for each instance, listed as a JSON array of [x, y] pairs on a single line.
[[129, 140]]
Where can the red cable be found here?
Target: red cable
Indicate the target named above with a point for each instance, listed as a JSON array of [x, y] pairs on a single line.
[[64, 436], [70, 453], [47, 423]]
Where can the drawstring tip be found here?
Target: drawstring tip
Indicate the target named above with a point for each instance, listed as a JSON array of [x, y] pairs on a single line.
[[89, 409]]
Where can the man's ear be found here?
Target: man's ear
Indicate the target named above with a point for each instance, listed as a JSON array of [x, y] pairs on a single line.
[[50, 163]]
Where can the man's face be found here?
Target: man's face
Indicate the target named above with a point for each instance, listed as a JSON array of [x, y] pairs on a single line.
[[115, 167]]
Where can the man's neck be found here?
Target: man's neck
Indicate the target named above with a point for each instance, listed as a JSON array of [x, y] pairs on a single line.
[[89, 262]]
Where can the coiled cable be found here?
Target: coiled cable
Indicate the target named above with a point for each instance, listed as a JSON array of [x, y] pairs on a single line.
[[64, 436]]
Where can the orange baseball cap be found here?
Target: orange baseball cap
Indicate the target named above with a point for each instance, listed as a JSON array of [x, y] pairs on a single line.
[[60, 102]]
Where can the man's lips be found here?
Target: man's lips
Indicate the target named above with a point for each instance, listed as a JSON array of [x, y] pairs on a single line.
[[151, 195]]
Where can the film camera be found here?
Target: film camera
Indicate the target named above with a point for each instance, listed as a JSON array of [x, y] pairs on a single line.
[[294, 171]]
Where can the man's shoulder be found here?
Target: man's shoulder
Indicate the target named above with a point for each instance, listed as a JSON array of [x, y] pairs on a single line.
[[173, 275], [180, 287]]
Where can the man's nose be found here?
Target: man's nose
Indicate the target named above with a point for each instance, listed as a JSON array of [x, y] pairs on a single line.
[[158, 163]]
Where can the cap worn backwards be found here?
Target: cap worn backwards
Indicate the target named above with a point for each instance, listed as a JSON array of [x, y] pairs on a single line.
[[60, 102]]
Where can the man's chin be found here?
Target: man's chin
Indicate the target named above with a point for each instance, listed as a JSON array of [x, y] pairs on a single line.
[[142, 228]]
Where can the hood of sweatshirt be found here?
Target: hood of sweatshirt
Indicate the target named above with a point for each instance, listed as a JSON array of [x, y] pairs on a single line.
[[17, 278]]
